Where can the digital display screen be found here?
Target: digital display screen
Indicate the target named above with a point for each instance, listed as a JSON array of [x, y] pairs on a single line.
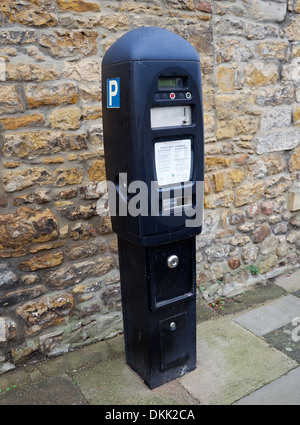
[[170, 82]]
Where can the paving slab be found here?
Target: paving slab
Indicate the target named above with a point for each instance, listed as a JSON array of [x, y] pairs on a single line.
[[284, 391], [286, 339], [113, 382], [290, 282], [59, 390], [232, 362], [267, 318]]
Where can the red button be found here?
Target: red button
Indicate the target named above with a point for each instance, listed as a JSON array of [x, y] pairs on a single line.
[[172, 95]]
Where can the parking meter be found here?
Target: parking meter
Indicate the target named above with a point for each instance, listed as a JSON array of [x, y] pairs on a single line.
[[154, 156]]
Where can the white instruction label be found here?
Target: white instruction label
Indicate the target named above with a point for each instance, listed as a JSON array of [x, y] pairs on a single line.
[[173, 161]]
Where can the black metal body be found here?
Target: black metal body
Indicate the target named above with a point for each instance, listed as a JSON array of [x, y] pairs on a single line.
[[154, 297], [158, 301]]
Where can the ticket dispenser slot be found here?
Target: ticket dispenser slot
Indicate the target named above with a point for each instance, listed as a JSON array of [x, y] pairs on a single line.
[[171, 116], [153, 139]]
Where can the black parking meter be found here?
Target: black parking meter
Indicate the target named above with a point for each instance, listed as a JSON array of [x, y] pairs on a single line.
[[154, 155]]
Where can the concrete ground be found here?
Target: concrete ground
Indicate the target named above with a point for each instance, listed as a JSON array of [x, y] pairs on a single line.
[[248, 352]]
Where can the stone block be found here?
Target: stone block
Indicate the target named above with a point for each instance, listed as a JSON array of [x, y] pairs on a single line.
[[34, 143], [82, 231], [91, 112], [16, 37], [24, 121], [296, 50], [270, 11], [90, 92], [228, 105], [291, 71], [64, 177], [261, 74], [236, 126], [277, 185], [47, 311], [200, 36], [84, 70], [233, 50], [66, 118], [293, 30], [41, 95], [97, 170], [272, 49], [132, 7], [77, 213], [261, 233], [294, 162], [10, 100], [42, 262], [296, 115], [249, 193], [27, 226], [31, 72], [278, 141], [78, 6], [249, 253], [234, 263], [32, 12], [267, 264], [209, 126], [78, 272], [8, 277], [275, 95], [269, 245], [276, 118], [267, 207], [8, 330], [20, 295], [214, 162], [294, 200], [227, 179], [222, 199], [82, 251], [229, 26], [260, 31], [26, 177], [64, 43], [217, 253], [23, 352], [116, 22], [205, 6], [225, 79]]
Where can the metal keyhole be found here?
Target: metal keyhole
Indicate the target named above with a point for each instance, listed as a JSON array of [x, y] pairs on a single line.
[[173, 261]]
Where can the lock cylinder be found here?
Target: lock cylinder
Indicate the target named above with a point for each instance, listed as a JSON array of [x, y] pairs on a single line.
[[173, 261]]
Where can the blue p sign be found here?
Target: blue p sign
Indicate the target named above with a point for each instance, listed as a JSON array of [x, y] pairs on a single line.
[[113, 93]]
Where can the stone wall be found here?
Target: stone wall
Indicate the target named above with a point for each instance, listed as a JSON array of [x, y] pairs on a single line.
[[59, 280], [251, 230]]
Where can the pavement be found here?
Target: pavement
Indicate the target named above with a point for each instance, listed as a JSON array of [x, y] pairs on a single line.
[[248, 353]]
